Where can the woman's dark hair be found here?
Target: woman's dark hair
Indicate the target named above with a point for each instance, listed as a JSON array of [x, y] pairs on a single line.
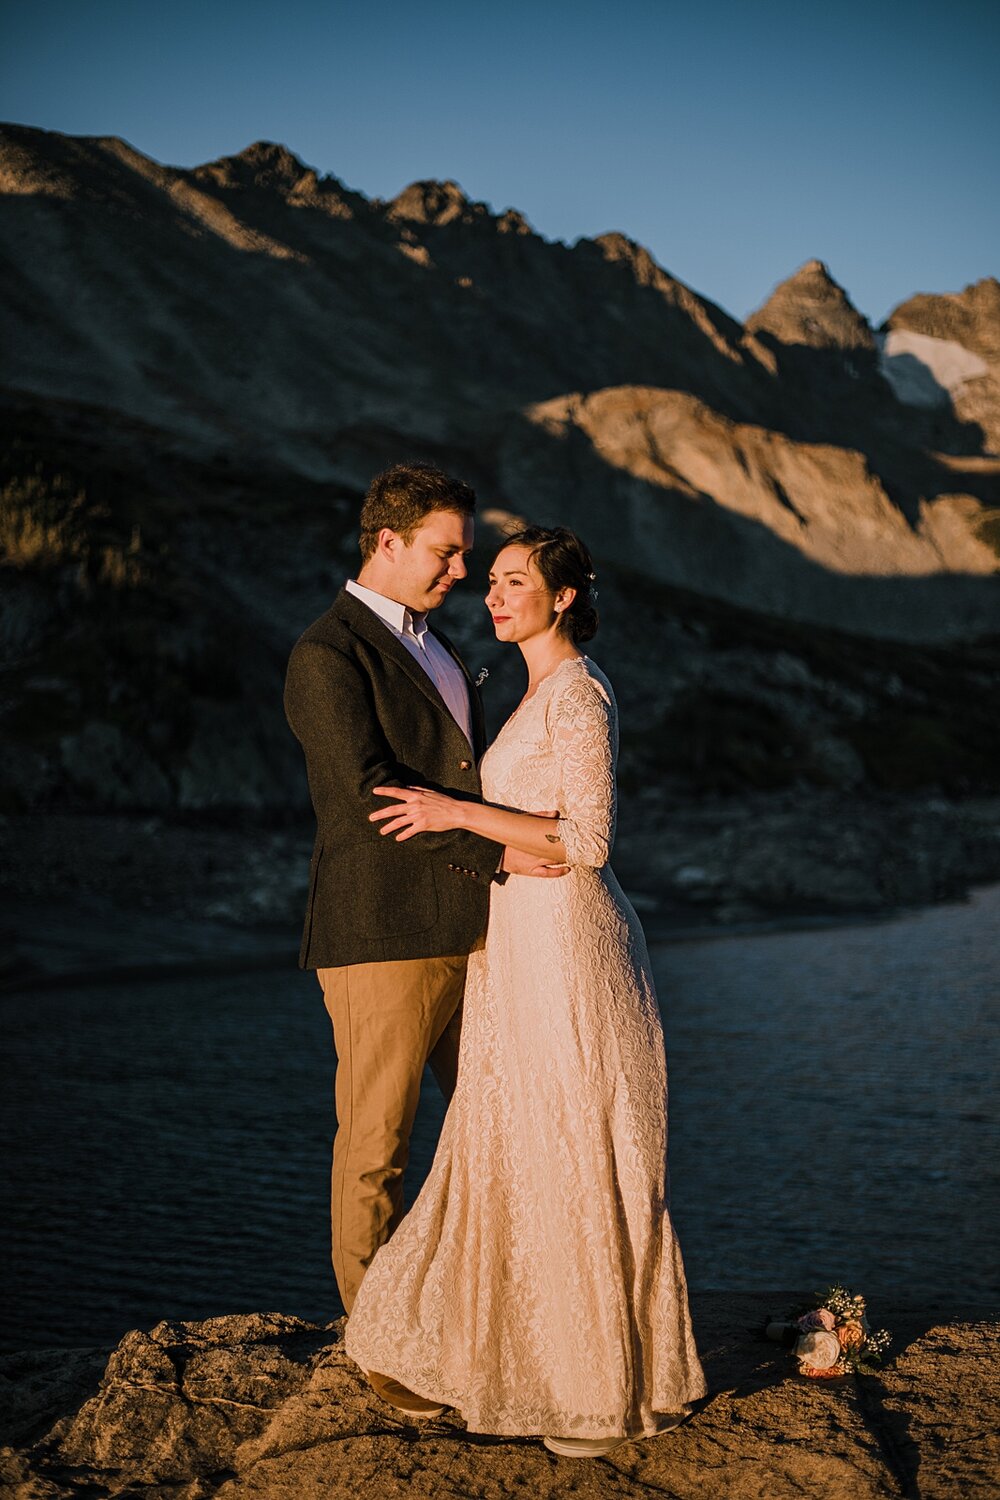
[[565, 563]]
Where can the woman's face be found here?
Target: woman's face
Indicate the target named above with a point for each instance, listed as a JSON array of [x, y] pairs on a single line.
[[520, 601]]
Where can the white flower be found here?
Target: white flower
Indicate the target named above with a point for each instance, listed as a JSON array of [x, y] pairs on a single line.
[[819, 1349]]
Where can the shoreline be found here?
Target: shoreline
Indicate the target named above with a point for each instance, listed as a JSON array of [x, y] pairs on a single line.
[[252, 951], [104, 897]]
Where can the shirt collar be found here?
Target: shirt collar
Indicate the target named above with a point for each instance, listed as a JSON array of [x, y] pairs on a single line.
[[402, 620]]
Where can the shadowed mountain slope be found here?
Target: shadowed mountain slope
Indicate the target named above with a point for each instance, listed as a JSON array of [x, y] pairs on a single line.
[[202, 368], [250, 310]]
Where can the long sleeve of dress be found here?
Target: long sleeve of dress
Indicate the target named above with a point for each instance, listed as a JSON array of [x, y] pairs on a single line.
[[583, 724]]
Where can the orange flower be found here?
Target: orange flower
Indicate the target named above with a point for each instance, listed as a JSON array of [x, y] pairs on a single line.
[[850, 1335], [813, 1374]]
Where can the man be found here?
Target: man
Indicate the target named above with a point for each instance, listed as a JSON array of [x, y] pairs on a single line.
[[377, 698]]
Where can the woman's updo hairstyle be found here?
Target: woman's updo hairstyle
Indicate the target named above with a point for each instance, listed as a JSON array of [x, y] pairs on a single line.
[[565, 563]]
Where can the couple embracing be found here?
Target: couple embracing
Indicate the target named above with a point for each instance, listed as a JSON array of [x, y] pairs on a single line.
[[463, 913]]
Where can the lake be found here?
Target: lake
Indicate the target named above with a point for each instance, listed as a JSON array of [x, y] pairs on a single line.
[[833, 1115]]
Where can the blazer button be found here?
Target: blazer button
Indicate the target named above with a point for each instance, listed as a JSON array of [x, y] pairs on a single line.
[[465, 765], [474, 874], [451, 867]]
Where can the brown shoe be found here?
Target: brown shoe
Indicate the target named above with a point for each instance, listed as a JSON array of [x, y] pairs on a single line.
[[397, 1395]]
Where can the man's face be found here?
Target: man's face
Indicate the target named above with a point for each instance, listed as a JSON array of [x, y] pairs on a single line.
[[424, 571]]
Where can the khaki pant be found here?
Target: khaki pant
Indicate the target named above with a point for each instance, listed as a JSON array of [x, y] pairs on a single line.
[[389, 1020]]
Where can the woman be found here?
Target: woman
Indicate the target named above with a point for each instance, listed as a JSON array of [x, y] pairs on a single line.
[[536, 1284]]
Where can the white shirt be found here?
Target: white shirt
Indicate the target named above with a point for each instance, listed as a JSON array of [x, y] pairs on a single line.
[[410, 629]]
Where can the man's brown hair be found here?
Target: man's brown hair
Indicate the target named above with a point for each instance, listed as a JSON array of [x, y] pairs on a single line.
[[403, 496]]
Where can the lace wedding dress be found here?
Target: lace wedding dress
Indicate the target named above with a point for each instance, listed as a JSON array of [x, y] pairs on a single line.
[[536, 1284]]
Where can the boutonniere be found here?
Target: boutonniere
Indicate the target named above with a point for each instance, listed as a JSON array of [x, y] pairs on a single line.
[[484, 672]]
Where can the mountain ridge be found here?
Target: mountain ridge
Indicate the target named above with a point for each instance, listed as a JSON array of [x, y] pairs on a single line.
[[266, 163], [202, 369], [429, 319]]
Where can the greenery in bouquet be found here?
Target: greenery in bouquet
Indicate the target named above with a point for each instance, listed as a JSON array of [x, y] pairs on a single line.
[[831, 1335]]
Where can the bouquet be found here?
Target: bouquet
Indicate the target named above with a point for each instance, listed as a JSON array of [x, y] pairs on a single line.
[[830, 1336]]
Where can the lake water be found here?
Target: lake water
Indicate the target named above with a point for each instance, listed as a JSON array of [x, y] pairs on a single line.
[[833, 1116]]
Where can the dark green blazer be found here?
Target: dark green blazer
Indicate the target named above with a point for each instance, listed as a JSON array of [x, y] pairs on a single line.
[[366, 715]]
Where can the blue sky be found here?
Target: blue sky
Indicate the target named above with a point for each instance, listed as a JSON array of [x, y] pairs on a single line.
[[734, 140]]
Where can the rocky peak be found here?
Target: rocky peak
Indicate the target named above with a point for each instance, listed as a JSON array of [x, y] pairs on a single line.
[[970, 317], [512, 222], [432, 202], [618, 247], [264, 164], [49, 164], [811, 308], [34, 161], [717, 326]]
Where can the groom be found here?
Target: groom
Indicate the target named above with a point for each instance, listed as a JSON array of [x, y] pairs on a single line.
[[378, 698]]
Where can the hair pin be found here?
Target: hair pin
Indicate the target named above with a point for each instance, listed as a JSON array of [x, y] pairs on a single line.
[[484, 672]]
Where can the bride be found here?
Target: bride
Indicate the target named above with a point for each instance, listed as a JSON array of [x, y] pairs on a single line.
[[536, 1285]]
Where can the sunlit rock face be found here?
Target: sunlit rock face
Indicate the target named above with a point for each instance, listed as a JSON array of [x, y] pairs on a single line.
[[746, 513], [201, 370], [811, 308], [944, 351]]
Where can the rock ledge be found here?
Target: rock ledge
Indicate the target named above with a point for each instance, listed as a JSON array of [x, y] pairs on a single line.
[[269, 1405]]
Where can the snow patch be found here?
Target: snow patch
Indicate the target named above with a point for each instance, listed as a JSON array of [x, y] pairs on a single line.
[[925, 371]]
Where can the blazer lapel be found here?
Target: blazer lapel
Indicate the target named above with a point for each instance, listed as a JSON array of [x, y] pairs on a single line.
[[366, 623]]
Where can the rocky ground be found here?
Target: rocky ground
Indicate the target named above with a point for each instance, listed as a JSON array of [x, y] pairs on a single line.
[[102, 894], [265, 1405]]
